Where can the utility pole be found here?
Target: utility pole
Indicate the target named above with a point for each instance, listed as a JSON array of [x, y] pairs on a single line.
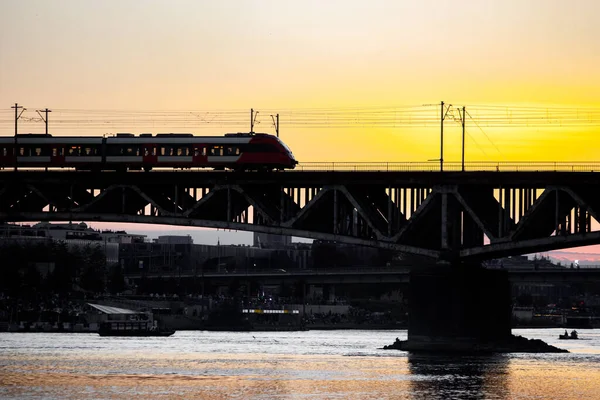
[[463, 139], [44, 119], [276, 123], [253, 116], [442, 137], [17, 116], [442, 117]]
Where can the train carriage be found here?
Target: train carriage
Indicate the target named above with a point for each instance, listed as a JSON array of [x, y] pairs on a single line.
[[34, 151], [238, 151]]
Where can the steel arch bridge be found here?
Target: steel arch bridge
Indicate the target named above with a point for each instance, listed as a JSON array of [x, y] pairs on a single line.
[[451, 215]]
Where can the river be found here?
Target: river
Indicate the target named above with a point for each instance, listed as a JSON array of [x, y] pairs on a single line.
[[347, 364]]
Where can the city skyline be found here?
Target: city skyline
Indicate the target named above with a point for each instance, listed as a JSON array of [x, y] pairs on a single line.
[[589, 255]]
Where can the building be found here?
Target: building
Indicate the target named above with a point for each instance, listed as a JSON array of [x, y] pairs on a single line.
[[270, 241], [73, 235], [174, 239]]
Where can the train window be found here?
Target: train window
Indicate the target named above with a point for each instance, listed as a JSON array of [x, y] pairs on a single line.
[[216, 151], [162, 151], [196, 152], [154, 151], [38, 151], [4, 151], [237, 151], [180, 151], [21, 151], [204, 151], [54, 152], [87, 151], [146, 152]]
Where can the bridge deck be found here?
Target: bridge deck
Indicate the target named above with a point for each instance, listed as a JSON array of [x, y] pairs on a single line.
[[446, 215], [311, 178]]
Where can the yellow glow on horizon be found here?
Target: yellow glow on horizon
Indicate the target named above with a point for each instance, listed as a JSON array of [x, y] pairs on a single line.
[[288, 56]]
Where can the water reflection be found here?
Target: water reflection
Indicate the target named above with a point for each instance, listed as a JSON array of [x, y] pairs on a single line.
[[283, 365], [458, 376]]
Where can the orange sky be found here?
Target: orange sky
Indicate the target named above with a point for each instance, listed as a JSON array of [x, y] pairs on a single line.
[[286, 56], [194, 55]]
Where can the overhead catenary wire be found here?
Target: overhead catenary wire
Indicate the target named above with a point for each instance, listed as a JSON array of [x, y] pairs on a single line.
[[331, 117], [484, 134], [476, 143]]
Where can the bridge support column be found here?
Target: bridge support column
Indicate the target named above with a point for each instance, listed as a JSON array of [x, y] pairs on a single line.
[[457, 308]]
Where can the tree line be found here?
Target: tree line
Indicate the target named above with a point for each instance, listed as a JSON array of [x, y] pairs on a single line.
[[54, 267]]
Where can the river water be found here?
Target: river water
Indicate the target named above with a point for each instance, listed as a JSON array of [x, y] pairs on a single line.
[[345, 364]]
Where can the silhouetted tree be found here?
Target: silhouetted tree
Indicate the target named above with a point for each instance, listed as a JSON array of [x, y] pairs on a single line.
[[93, 270], [10, 278], [116, 279], [63, 276], [32, 280]]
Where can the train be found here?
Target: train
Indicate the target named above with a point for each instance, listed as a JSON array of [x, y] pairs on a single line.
[[126, 151]]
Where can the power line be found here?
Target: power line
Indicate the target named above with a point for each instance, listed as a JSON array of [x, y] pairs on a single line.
[[476, 143], [485, 134], [46, 118], [384, 117]]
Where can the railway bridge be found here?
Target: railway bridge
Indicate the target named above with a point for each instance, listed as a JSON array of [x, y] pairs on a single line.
[[489, 210], [460, 217]]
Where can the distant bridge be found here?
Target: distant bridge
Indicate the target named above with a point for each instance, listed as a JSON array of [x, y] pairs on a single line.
[[520, 207], [366, 275]]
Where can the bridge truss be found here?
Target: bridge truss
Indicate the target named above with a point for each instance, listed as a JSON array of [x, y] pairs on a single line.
[[449, 215]]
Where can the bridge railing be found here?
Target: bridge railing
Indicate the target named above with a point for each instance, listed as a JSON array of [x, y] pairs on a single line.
[[408, 166], [433, 166]]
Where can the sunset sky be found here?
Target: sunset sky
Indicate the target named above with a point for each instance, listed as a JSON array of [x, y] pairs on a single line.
[[291, 56]]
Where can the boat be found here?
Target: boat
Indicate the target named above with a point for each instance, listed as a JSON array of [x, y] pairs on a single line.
[[132, 328], [566, 336]]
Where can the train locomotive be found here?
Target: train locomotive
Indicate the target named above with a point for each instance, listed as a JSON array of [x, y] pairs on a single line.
[[126, 151]]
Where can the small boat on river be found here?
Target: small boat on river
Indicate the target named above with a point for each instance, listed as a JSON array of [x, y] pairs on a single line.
[[125, 322], [566, 336]]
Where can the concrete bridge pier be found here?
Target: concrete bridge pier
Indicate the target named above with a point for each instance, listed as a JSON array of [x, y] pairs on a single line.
[[456, 307]]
